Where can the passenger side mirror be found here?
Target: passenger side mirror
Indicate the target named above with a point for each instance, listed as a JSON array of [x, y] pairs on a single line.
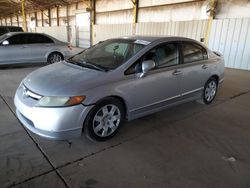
[[146, 67], [5, 43]]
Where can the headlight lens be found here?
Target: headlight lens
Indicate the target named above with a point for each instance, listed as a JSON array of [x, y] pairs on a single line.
[[60, 101]]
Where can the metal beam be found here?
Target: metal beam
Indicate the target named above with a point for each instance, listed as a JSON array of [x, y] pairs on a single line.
[[57, 16], [93, 20], [67, 15], [24, 17], [42, 19], [49, 16], [212, 4], [17, 19], [36, 19]]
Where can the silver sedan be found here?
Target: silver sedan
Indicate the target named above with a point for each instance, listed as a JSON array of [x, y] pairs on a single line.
[[22, 47], [119, 79]]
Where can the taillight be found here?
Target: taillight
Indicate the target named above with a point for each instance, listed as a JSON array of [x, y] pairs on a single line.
[[70, 47]]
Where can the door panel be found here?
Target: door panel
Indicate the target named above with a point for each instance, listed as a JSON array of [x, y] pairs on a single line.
[[16, 51], [161, 84], [195, 68], [39, 45], [154, 90], [194, 77], [13, 54]]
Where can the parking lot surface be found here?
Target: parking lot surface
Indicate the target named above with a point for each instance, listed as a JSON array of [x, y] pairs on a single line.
[[191, 145]]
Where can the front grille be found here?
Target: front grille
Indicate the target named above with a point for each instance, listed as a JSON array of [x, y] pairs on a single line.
[[27, 93]]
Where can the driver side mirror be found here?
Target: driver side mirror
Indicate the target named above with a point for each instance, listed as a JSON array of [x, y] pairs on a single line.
[[5, 43], [146, 67]]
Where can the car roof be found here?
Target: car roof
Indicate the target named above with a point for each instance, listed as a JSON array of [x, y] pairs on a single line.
[[10, 26], [152, 39], [19, 32], [156, 38]]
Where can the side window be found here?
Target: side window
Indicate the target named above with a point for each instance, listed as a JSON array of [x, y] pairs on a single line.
[[37, 39], [164, 56], [193, 52], [44, 39], [17, 39]]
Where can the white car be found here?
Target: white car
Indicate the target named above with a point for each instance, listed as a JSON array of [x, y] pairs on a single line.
[[24, 47]]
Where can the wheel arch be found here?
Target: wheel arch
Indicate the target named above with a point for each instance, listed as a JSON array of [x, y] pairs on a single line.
[[120, 99], [53, 52], [216, 77]]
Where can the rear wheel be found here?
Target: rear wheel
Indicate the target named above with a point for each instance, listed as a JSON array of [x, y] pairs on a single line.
[[54, 57], [104, 120], [210, 90]]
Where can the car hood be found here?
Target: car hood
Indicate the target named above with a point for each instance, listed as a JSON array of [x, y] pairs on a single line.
[[63, 79]]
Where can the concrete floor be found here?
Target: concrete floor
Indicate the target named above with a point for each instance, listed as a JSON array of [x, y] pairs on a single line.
[[189, 146]]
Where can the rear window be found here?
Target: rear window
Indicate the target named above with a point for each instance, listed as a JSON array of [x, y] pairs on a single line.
[[193, 52], [38, 38]]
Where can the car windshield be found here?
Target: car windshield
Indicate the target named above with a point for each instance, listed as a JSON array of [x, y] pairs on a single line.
[[109, 54]]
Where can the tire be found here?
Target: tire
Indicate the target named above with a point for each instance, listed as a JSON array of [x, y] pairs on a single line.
[[104, 120], [54, 57], [210, 90]]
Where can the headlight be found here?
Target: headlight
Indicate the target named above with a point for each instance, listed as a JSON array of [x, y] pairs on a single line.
[[60, 101]]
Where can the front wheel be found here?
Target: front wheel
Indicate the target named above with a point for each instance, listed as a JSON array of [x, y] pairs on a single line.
[[104, 120], [54, 58], [210, 90]]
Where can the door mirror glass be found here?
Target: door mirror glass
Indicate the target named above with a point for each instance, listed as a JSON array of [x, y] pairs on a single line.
[[5, 43], [146, 67]]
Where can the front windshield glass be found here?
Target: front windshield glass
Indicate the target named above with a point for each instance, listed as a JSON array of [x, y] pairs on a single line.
[[109, 54]]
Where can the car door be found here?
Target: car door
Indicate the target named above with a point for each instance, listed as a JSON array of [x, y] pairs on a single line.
[[159, 86], [195, 68], [15, 51], [39, 46]]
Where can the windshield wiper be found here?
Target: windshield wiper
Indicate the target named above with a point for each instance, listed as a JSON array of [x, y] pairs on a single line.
[[84, 63], [93, 65]]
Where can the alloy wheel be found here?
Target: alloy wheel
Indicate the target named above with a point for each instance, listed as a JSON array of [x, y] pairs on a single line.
[[106, 120]]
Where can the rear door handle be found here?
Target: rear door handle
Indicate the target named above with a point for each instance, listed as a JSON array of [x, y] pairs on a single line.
[[177, 72], [204, 66], [25, 46]]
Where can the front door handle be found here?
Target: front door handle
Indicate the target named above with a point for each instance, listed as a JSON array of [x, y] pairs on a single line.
[[25, 46], [204, 66], [177, 72]]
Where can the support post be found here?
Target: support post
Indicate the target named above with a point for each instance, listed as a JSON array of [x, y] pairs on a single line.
[[49, 16], [67, 16], [36, 19], [24, 17], [42, 18], [17, 19], [135, 14], [57, 16], [93, 21], [212, 4]]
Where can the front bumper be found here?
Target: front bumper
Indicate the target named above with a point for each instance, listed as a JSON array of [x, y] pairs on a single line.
[[54, 123]]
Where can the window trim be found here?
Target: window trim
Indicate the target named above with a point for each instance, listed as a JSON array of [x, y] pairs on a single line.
[[194, 44], [158, 68]]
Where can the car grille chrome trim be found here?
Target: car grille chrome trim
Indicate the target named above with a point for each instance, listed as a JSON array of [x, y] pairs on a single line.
[[27, 93]]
